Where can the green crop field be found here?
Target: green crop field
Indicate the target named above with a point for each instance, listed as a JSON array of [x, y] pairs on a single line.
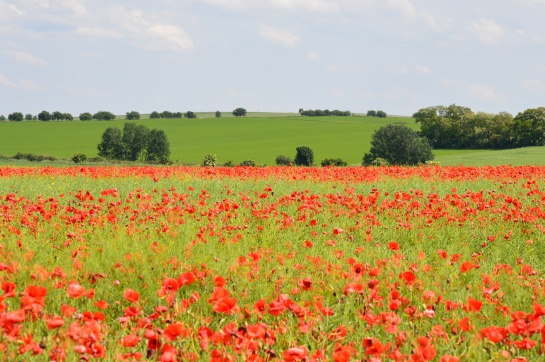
[[259, 137]]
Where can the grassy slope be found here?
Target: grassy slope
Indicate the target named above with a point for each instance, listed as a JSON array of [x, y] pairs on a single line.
[[260, 137]]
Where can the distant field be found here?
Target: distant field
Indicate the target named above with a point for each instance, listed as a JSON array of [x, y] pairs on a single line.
[[259, 137]]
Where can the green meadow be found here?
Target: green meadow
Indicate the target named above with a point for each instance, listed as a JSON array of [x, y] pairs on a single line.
[[259, 137]]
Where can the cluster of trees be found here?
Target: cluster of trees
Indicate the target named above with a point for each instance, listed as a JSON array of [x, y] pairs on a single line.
[[99, 116], [379, 114], [135, 142], [459, 127], [322, 113], [238, 112], [166, 114], [42, 116]]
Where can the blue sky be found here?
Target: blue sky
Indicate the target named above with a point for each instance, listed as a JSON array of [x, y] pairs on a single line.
[[271, 55]]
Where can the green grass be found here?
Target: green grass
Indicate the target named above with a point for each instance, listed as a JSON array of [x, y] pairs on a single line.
[[261, 136], [257, 138]]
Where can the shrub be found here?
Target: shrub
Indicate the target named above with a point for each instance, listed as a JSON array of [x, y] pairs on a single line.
[[86, 116], [79, 157], [210, 161], [218, 114], [333, 162], [103, 116], [247, 163], [33, 158], [398, 145], [190, 114], [133, 115], [379, 161], [282, 160], [228, 164], [304, 156]]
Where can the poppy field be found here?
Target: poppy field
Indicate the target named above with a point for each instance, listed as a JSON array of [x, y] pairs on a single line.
[[272, 264]]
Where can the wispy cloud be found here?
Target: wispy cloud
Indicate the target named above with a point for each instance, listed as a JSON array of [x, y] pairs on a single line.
[[280, 36], [25, 57], [487, 31]]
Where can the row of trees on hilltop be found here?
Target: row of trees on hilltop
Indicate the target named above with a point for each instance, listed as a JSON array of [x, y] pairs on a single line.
[[42, 116], [323, 113], [459, 127]]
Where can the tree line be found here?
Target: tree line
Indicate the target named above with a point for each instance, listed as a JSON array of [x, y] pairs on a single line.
[[323, 113], [459, 127]]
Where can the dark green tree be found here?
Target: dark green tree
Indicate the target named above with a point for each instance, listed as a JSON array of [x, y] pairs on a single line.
[[44, 116], [134, 141], [333, 162], [529, 127], [190, 114], [68, 116], [381, 114], [104, 116], [2, 117], [28, 117], [218, 114], [86, 116], [371, 113], [157, 146], [304, 156], [16, 116], [111, 145], [57, 116], [282, 160], [398, 145], [239, 112], [154, 114], [132, 115]]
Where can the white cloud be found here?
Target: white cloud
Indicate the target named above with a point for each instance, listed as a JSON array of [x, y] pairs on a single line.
[[313, 56], [4, 81], [96, 32], [534, 85], [320, 6], [27, 58], [487, 31], [336, 93], [28, 85], [280, 36], [422, 70], [485, 93], [400, 70]]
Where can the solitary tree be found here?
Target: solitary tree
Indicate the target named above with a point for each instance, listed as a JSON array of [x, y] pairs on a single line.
[[86, 116], [398, 145], [190, 114], [239, 112], [44, 116], [218, 114], [68, 116], [133, 115], [16, 116], [304, 156]]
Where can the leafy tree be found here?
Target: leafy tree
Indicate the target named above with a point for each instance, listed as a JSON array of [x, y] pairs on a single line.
[[134, 141], [304, 156], [154, 114], [132, 115], [86, 116], [79, 157], [301, 110], [190, 114], [34, 118], [398, 145], [218, 114], [28, 117], [529, 127], [177, 115], [104, 116], [44, 116], [111, 145], [16, 116], [239, 112], [248, 163], [282, 160], [210, 161], [57, 116], [372, 113], [333, 162], [166, 114], [157, 146], [381, 114], [68, 116], [2, 117]]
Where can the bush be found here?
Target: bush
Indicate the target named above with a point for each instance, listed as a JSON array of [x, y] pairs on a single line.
[[16, 117], [282, 160], [190, 114], [304, 156], [228, 164], [247, 163], [379, 161], [210, 161], [333, 162], [103, 116], [86, 116], [79, 157], [398, 145], [33, 158], [95, 159], [133, 115], [371, 113], [239, 112]]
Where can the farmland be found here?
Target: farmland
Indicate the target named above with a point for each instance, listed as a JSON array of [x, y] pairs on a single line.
[[294, 264]]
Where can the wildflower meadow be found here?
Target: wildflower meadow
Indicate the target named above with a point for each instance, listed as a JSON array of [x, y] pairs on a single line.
[[272, 264]]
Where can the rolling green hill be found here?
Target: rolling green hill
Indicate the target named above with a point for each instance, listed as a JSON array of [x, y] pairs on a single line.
[[259, 137]]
